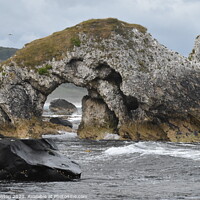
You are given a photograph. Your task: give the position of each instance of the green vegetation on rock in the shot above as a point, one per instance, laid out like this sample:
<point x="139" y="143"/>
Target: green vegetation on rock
<point x="3" y="73"/>
<point x="76" y="42"/>
<point x="44" y="70"/>
<point x="57" y="44"/>
<point x="191" y="55"/>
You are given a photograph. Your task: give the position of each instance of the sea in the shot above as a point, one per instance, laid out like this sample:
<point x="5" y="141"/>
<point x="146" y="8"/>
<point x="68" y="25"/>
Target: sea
<point x="115" y="169"/>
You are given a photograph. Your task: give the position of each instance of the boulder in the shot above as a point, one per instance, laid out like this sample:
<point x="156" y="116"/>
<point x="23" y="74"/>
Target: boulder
<point x="35" y="160"/>
<point x="62" y="106"/>
<point x="58" y="120"/>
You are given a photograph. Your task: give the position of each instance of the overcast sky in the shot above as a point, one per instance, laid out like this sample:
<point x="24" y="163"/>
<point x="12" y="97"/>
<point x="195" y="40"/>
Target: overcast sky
<point x="174" y="23"/>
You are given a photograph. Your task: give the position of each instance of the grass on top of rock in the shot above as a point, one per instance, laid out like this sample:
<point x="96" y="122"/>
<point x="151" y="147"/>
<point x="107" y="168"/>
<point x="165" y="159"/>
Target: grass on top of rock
<point x="191" y="55"/>
<point x="44" y="70"/>
<point x="56" y="45"/>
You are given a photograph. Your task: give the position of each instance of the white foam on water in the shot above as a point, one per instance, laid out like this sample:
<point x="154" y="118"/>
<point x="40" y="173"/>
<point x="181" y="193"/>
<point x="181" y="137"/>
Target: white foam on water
<point x="111" y="136"/>
<point x="51" y="115"/>
<point x="74" y="117"/>
<point x="62" y="135"/>
<point x="78" y="105"/>
<point x="154" y="148"/>
<point x="46" y="106"/>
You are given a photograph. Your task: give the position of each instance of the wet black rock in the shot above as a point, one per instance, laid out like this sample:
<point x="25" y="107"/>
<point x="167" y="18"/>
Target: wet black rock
<point x="60" y="121"/>
<point x="61" y="106"/>
<point x="35" y="160"/>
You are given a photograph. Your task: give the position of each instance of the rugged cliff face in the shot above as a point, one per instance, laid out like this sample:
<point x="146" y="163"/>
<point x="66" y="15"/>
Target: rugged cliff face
<point x="142" y="90"/>
<point x="195" y="54"/>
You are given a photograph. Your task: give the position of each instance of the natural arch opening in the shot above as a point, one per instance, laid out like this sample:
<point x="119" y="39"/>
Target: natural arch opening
<point x="64" y="104"/>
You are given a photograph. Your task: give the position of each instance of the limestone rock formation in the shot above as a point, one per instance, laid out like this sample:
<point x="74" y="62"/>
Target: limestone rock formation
<point x="35" y="160"/>
<point x="152" y="92"/>
<point x="62" y="107"/>
<point x="195" y="54"/>
<point x="97" y="119"/>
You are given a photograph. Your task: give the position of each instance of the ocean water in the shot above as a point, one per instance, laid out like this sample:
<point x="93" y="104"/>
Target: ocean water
<point x="115" y="169"/>
<point x="124" y="170"/>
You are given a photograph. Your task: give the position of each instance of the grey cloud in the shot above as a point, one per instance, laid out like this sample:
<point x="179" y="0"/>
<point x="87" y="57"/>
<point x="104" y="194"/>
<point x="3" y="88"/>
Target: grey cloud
<point x="173" y="22"/>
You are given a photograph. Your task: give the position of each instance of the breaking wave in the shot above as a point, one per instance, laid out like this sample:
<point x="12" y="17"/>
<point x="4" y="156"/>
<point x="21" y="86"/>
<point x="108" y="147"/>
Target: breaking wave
<point x="188" y="151"/>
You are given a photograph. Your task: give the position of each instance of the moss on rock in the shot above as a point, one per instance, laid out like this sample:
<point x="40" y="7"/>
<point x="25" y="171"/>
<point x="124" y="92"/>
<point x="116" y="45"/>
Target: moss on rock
<point x="44" y="70"/>
<point x="33" y="128"/>
<point x="93" y="132"/>
<point x="175" y="130"/>
<point x="144" y="130"/>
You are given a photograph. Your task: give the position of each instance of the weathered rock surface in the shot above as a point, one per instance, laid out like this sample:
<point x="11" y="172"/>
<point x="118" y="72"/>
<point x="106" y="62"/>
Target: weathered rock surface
<point x="58" y="120"/>
<point x="62" y="107"/>
<point x="152" y="92"/>
<point x="35" y="160"/>
<point x="195" y="54"/>
<point x="31" y="128"/>
<point x="97" y="119"/>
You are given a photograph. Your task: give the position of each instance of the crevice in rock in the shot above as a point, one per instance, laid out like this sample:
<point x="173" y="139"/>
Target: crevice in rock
<point x="59" y="77"/>
<point x="75" y="60"/>
<point x="33" y="85"/>
<point x="4" y="115"/>
<point x="94" y="94"/>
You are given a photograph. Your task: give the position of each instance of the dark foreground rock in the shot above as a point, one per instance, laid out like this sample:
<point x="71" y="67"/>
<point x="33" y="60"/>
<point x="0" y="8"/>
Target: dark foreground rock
<point x="61" y="106"/>
<point x="60" y="121"/>
<point x="35" y="160"/>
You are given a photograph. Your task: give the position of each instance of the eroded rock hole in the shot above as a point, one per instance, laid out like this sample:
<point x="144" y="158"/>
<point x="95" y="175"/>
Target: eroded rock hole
<point x="109" y="74"/>
<point x="64" y="105"/>
<point x="131" y="103"/>
<point x="75" y="60"/>
<point x="114" y="77"/>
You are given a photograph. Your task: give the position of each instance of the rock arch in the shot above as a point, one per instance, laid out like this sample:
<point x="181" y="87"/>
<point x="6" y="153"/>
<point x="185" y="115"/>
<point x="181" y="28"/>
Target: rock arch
<point x="145" y="91"/>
